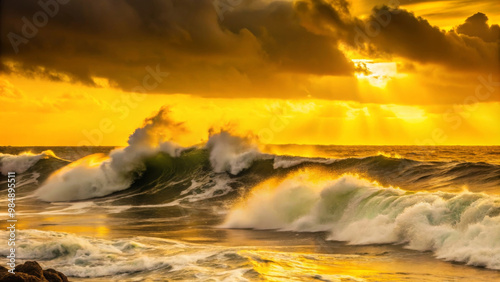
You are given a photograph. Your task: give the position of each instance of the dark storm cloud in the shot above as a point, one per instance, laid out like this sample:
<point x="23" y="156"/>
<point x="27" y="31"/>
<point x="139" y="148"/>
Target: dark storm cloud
<point x="401" y="33"/>
<point x="260" y="48"/>
<point x="280" y="30"/>
<point x="117" y="39"/>
<point x="477" y="26"/>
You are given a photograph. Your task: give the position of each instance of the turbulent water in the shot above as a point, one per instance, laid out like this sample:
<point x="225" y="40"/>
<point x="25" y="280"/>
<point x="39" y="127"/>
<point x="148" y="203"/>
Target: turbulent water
<point x="230" y="211"/>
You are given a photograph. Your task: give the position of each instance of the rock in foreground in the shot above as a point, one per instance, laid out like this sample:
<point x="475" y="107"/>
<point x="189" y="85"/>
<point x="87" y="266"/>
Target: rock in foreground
<point x="31" y="271"/>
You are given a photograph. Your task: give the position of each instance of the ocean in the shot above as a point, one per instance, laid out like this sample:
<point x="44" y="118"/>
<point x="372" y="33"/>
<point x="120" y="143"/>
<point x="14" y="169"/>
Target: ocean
<point x="230" y="211"/>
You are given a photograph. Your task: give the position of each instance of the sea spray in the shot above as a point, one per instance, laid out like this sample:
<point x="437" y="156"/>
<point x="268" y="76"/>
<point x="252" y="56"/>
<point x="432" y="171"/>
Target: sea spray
<point x="462" y="227"/>
<point x="230" y="153"/>
<point x="22" y="162"/>
<point x="97" y="176"/>
<point x="90" y="178"/>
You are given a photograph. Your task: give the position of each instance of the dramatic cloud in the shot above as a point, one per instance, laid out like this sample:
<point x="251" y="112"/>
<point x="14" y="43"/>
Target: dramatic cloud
<point x="401" y="33"/>
<point x="254" y="49"/>
<point x="287" y="43"/>
<point x="477" y="26"/>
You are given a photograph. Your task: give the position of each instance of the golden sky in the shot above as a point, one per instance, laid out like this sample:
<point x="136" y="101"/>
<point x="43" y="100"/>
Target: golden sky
<point x="303" y="72"/>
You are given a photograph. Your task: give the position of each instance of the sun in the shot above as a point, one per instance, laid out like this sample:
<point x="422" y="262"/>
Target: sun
<point x="378" y="74"/>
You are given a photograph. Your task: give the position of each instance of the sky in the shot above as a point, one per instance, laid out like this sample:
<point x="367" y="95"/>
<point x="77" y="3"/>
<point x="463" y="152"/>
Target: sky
<point x="369" y="72"/>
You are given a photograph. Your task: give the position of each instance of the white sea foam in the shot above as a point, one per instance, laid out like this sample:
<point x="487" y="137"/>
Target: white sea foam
<point x="22" y="162"/>
<point x="85" y="257"/>
<point x="219" y="187"/>
<point x="88" y="257"/>
<point x="96" y="176"/>
<point x="90" y="178"/>
<point x="230" y="153"/>
<point x="462" y="227"/>
<point x="145" y="258"/>
<point x="291" y="161"/>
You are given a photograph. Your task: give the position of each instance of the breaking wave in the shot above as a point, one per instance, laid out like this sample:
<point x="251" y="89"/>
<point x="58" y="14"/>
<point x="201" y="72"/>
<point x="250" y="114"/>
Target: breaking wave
<point x="124" y="168"/>
<point x="463" y="227"/>
<point x="101" y="175"/>
<point x="22" y="162"/>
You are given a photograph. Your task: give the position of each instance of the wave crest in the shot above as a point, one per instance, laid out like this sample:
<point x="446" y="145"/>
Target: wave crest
<point x="230" y="153"/>
<point x="22" y="162"/>
<point x="462" y="227"/>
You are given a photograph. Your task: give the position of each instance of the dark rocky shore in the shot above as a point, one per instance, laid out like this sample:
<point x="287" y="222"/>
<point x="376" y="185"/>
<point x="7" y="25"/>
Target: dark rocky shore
<point x="31" y="271"/>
